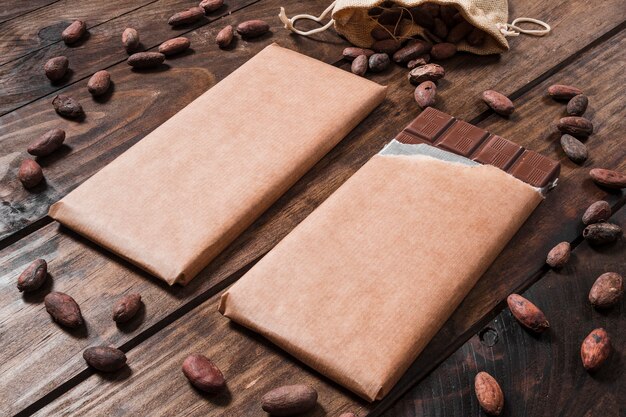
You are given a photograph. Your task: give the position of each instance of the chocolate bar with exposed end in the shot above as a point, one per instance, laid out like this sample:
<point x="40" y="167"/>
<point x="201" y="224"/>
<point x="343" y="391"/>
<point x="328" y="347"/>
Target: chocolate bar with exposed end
<point x="439" y="129"/>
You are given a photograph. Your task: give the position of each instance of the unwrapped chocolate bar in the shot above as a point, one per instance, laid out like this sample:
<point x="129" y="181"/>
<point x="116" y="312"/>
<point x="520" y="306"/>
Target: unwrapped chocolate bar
<point x="176" y="199"/>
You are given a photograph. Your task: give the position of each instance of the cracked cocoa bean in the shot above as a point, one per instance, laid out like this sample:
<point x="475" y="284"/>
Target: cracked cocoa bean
<point x="47" y="143"/>
<point x="33" y="277"/>
<point x="289" y="400"/>
<point x="203" y="374"/>
<point x="607" y="290"/>
<point x="56" y="68"/>
<point x="428" y="72"/>
<point x="30" y="173"/>
<point x="68" y="107"/>
<point x="575" y="150"/>
<point x="63" y="309"/>
<point x="418" y="62"/>
<point x="104" y="358"/>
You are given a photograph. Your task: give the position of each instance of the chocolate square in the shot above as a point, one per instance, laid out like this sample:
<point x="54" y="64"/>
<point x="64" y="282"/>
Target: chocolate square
<point x="462" y="138"/>
<point x="429" y="124"/>
<point x="535" y="169"/>
<point x="498" y="152"/>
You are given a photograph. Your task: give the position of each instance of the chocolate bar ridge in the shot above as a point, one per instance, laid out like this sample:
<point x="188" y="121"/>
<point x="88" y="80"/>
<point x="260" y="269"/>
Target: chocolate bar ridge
<point x="436" y="128"/>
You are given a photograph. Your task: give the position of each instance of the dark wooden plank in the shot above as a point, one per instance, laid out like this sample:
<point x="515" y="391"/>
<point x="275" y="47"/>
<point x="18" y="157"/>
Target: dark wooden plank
<point x="540" y="375"/>
<point x="11" y="9"/>
<point x="43" y="27"/>
<point x="25" y="81"/>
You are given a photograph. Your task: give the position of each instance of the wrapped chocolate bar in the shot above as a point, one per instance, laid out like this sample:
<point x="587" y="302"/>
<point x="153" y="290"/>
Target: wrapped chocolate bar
<point x="176" y="199"/>
<point x="359" y="288"/>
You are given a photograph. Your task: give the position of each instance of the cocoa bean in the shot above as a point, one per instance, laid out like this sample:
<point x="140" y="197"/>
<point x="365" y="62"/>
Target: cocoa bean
<point x="430" y="8"/>
<point x="203" y="373"/>
<point x="563" y="92"/>
<point x="378" y="62"/>
<point x="380" y="33"/>
<point x="559" y="255"/>
<point x="459" y="32"/>
<point x="388" y="46"/>
<point x="130" y="40"/>
<point x="30" y="173"/>
<point x="68" y="107"/>
<point x="498" y="102"/>
<point x="595" y="349"/>
<point x="126" y="308"/>
<point x="99" y="83"/>
<point x="359" y="65"/>
<point x="104" y="358"/>
<point x="56" y="68"/>
<point x="476" y="37"/>
<point x="142" y="60"/>
<point x="575" y="126"/>
<point x="174" y="46"/>
<point x="47" y="143"/>
<point x="443" y="51"/>
<point x="253" y="28"/>
<point x="422" y="18"/>
<point x="528" y="314"/>
<point x="575" y="150"/>
<point x="210" y="6"/>
<point x="607" y="290"/>
<point x="425" y="94"/>
<point x="599" y="211"/>
<point x="225" y="36"/>
<point x="447" y="13"/>
<point x="432" y="38"/>
<point x="352" y="52"/>
<point x="187" y="17"/>
<point x="440" y="29"/>
<point x="411" y="51"/>
<point x="428" y="72"/>
<point x="489" y="394"/>
<point x="33" y="277"/>
<point x="74" y="32"/>
<point x="608" y="178"/>
<point x="63" y="309"/>
<point x="419" y="61"/>
<point x="602" y="233"/>
<point x="289" y="400"/>
<point x="577" y="105"/>
<point x="390" y="17"/>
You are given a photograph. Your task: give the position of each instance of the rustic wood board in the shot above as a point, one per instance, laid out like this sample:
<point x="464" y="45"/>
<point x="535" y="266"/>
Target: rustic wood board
<point x="10" y="9"/>
<point x="541" y="375"/>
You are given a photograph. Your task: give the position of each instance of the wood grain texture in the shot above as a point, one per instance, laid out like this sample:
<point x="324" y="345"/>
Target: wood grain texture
<point x="10" y="9"/>
<point x="24" y="79"/>
<point x="541" y="375"/>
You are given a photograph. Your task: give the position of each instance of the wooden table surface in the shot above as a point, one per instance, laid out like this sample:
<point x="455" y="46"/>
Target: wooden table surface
<point x="41" y="366"/>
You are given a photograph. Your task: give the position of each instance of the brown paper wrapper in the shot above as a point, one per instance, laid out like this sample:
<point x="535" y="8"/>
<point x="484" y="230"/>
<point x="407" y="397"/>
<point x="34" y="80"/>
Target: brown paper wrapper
<point x="176" y="199"/>
<point x="359" y="288"/>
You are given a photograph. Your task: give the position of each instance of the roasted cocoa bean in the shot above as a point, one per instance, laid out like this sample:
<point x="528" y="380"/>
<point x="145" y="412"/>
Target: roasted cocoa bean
<point x="577" y="105"/>
<point x="575" y="150"/>
<point x="440" y="29"/>
<point x="68" y="107"/>
<point x="203" y="373"/>
<point x="476" y="37"/>
<point x="130" y="40"/>
<point x="608" y="178"/>
<point x="607" y="290"/>
<point x="599" y="211"/>
<point x="378" y="62"/>
<point x="209" y="6"/>
<point x="447" y="13"/>
<point x="422" y="18"/>
<point x="142" y="60"/>
<point x="33" y="277"/>
<point x="488" y="393"/>
<point x="187" y="17"/>
<point x="225" y="36"/>
<point x="528" y="314"/>
<point x="74" y="32"/>
<point x="126" y="308"/>
<point x="30" y="173"/>
<point x="63" y="309"/>
<point x="289" y="400"/>
<point x="602" y="233"/>
<point x="595" y="349"/>
<point x="104" y="358"/>
<point x="559" y="255"/>
<point x="352" y="52"/>
<point x="575" y="126"/>
<point x="425" y="94"/>
<point x="388" y="46"/>
<point x="563" y="92"/>
<point x="56" y="68"/>
<point x="380" y="33"/>
<point x="253" y="28"/>
<point x="498" y="102"/>
<point x="443" y="51"/>
<point x="418" y="62"/>
<point x="47" y="143"/>
<point x="99" y="83"/>
<point x="411" y="51"/>
<point x="428" y="72"/>
<point x="174" y="46"/>
<point x="459" y="32"/>
<point x="359" y="65"/>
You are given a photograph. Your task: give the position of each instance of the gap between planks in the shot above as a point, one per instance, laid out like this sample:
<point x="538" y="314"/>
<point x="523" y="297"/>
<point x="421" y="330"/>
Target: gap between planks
<point x="28" y="12"/>
<point x="393" y="396"/>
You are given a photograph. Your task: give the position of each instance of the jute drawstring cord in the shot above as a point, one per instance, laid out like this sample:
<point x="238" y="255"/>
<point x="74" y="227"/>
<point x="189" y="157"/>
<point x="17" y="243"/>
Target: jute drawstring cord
<point x="512" y="29"/>
<point x="289" y="22"/>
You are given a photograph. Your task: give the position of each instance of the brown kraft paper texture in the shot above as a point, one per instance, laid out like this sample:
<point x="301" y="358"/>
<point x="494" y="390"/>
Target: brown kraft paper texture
<point x="358" y="289"/>
<point x="176" y="199"/>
